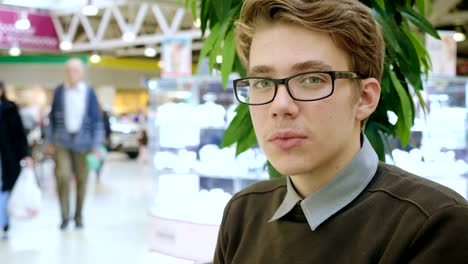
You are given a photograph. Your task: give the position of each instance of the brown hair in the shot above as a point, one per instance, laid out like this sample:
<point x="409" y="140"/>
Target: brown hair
<point x="349" y="22"/>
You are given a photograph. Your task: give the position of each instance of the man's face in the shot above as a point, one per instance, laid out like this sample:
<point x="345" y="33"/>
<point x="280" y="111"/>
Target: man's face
<point x="302" y="138"/>
<point x="75" y="72"/>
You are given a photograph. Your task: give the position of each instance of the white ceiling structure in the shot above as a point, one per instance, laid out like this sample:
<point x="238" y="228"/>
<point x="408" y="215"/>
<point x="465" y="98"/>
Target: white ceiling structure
<point x="146" y="22"/>
<point x="152" y="20"/>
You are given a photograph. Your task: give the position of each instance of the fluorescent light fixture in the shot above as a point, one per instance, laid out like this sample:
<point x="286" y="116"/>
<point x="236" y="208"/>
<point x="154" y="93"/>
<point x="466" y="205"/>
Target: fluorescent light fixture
<point x="129" y="36"/>
<point x="459" y="37"/>
<point x="66" y="45"/>
<point x="14" y="51"/>
<point x="197" y="23"/>
<point x="95" y="58"/>
<point x="219" y="59"/>
<point x="150" y="51"/>
<point x="23" y="22"/>
<point x="90" y="10"/>
<point x="152" y="84"/>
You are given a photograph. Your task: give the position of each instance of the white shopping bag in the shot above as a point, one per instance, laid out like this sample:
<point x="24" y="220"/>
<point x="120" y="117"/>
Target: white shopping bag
<point x="25" y="199"/>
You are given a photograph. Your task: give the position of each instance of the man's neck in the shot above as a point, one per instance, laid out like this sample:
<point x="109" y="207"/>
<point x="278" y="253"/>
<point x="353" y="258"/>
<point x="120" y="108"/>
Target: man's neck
<point x="73" y="85"/>
<point x="306" y="184"/>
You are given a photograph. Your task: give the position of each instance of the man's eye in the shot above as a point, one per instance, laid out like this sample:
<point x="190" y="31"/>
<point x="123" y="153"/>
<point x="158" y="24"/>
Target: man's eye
<point x="262" y="84"/>
<point x="312" y="79"/>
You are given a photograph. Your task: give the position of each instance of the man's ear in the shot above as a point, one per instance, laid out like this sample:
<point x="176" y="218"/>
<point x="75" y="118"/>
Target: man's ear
<point x="369" y="98"/>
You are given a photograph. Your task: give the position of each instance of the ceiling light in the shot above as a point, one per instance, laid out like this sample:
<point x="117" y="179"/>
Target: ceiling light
<point x="14" y="51"/>
<point x="95" y="58"/>
<point x="90" y="10"/>
<point x="150" y="51"/>
<point x="129" y="36"/>
<point x="23" y="22"/>
<point x="459" y="37"/>
<point x="152" y="84"/>
<point x="197" y="23"/>
<point x="66" y="45"/>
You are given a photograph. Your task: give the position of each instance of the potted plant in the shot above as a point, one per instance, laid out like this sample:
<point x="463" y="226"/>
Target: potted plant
<point x="406" y="62"/>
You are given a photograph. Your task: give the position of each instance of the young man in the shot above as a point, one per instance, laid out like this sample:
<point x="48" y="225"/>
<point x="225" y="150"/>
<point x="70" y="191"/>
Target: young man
<point x="314" y="69"/>
<point x="75" y="129"/>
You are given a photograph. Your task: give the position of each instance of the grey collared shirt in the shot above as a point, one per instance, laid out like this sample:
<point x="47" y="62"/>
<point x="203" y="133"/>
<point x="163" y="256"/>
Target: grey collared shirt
<point x="337" y="193"/>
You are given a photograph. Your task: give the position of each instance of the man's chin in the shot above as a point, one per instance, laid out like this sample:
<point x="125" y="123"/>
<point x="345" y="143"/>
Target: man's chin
<point x="288" y="169"/>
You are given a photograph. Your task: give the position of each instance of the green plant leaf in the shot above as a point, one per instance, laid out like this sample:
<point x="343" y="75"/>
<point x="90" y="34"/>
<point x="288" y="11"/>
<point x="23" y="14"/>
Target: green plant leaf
<point x="216" y="48"/>
<point x="194" y="9"/>
<point x="421" y="50"/>
<point x="229" y="52"/>
<point x="386" y="26"/>
<point x="381" y="3"/>
<point x="222" y="7"/>
<point x="239" y="123"/>
<point x="193" y="5"/>
<point x="240" y="131"/>
<point x="375" y="138"/>
<point x="408" y="60"/>
<point x="421" y="100"/>
<point x="272" y="171"/>
<point x="205" y="15"/>
<point x="421" y="4"/>
<point x="419" y="21"/>
<point x="247" y="142"/>
<point x="209" y="41"/>
<point x="404" y="112"/>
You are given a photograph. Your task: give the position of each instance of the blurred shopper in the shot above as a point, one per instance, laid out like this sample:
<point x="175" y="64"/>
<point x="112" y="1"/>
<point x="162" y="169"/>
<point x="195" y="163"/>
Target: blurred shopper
<point x="107" y="130"/>
<point x="107" y="141"/>
<point x="28" y="117"/>
<point x="143" y="146"/>
<point x="13" y="149"/>
<point x="75" y="129"/>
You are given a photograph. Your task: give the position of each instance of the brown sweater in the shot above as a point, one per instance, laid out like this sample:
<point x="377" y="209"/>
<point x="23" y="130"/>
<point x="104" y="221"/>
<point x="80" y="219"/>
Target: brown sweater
<point x="398" y="218"/>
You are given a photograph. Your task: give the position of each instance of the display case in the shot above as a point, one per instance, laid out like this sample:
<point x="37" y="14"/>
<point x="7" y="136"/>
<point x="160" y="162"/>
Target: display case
<point x="446" y="100"/>
<point x="439" y="137"/>
<point x="194" y="178"/>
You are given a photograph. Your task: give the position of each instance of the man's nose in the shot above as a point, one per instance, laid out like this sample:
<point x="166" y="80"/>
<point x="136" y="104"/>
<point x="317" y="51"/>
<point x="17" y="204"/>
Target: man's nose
<point x="283" y="104"/>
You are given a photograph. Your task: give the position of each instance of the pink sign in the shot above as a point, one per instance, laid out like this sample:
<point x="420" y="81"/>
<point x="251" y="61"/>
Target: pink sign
<point x="40" y="36"/>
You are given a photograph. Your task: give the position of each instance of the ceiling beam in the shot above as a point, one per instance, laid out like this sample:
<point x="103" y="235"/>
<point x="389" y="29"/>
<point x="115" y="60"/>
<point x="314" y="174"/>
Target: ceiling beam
<point x="96" y="39"/>
<point x="139" y="40"/>
<point x="456" y="18"/>
<point x="441" y="8"/>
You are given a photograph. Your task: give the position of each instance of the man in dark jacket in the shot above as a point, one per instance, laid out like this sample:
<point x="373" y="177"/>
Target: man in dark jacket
<point x="75" y="129"/>
<point x="314" y="69"/>
<point x="13" y="149"/>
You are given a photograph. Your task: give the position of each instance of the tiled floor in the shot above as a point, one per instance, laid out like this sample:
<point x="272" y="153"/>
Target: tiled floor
<point x="116" y="223"/>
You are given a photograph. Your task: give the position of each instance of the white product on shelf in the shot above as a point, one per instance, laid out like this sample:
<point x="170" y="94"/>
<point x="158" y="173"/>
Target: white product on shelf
<point x="437" y="166"/>
<point x="210" y="114"/>
<point x="178" y="197"/>
<point x="178" y="125"/>
<point x="218" y="162"/>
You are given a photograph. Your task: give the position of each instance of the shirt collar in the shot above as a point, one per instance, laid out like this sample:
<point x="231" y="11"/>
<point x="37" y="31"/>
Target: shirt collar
<point x="81" y="87"/>
<point x="337" y="193"/>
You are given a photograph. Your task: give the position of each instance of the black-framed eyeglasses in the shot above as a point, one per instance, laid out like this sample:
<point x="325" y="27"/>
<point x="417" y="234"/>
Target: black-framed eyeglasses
<point x="306" y="86"/>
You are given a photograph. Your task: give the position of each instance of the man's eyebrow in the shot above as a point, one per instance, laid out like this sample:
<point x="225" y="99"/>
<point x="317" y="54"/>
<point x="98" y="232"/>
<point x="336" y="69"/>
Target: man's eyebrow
<point x="311" y="65"/>
<point x="260" y="69"/>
